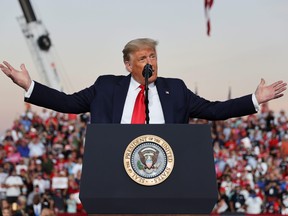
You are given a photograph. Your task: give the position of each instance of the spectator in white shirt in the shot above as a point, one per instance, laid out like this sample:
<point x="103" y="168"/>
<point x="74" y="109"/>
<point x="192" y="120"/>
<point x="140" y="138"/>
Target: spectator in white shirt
<point x="40" y="182"/>
<point x="21" y="166"/>
<point x="13" y="184"/>
<point x="3" y="177"/>
<point x="253" y="203"/>
<point x="37" y="148"/>
<point x="77" y="167"/>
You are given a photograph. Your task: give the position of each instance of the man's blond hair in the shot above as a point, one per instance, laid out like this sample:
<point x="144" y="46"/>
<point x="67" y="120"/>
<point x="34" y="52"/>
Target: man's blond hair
<point x="137" y="44"/>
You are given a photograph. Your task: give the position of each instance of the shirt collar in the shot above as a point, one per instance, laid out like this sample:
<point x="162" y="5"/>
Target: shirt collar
<point x="134" y="84"/>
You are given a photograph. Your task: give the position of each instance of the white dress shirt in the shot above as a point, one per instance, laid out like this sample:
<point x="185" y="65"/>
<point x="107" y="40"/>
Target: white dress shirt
<point x="155" y="109"/>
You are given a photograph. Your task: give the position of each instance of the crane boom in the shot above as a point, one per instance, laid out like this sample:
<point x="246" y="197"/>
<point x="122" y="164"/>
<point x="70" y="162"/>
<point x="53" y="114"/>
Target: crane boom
<point x="40" y="46"/>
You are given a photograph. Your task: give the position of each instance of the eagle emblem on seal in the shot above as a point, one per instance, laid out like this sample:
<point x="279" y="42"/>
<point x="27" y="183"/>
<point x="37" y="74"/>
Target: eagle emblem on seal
<point x="148" y="159"/>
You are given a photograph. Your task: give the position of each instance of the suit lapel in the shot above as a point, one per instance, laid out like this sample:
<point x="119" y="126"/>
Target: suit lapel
<point x="165" y="99"/>
<point x="120" y="93"/>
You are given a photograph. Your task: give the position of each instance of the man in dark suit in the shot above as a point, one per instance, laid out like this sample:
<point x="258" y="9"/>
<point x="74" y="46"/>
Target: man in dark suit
<point x="111" y="98"/>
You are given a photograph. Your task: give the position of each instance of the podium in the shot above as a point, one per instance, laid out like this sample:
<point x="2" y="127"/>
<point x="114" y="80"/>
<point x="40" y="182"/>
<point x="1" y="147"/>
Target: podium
<point x="106" y="187"/>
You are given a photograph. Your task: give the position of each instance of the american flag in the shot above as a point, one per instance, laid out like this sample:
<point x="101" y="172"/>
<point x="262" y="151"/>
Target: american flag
<point x="208" y="5"/>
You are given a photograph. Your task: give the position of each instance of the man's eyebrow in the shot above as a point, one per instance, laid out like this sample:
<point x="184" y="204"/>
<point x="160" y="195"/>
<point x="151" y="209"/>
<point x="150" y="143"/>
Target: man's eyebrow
<point x="142" y="56"/>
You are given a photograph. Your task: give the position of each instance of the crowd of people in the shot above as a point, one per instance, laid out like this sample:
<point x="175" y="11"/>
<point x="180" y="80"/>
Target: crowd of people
<point x="41" y="162"/>
<point x="251" y="162"/>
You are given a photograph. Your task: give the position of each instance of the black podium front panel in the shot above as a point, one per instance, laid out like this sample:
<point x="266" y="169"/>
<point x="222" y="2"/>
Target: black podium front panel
<point x="106" y="188"/>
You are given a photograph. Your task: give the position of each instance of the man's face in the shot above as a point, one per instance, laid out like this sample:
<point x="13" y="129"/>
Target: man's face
<point x="137" y="62"/>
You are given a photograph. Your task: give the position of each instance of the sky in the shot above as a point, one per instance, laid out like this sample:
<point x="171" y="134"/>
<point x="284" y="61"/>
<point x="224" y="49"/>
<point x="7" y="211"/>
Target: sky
<point x="249" y="41"/>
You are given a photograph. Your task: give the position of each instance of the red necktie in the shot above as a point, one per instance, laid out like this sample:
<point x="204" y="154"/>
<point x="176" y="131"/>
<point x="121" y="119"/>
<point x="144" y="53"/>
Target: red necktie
<point x="138" y="116"/>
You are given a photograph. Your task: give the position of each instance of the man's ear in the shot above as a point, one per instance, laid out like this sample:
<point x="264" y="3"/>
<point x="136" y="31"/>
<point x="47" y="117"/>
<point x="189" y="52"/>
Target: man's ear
<point x="128" y="66"/>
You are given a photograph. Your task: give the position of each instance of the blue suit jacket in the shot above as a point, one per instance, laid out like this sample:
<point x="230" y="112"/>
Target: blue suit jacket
<point x="106" y="97"/>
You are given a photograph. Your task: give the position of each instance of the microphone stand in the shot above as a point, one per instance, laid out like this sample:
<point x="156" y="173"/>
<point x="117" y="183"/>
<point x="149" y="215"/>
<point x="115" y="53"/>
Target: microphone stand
<point x="146" y="97"/>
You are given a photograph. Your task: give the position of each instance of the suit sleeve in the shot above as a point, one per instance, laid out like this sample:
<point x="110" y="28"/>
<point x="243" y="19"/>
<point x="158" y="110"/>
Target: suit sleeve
<point x="220" y="110"/>
<point x="198" y="107"/>
<point x="78" y="102"/>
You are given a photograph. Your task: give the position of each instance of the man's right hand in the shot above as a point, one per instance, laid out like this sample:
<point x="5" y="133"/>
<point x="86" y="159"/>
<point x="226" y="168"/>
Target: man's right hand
<point x="19" y="77"/>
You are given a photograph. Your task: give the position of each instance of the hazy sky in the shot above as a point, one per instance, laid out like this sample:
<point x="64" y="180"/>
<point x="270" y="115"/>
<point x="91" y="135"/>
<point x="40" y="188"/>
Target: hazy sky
<point x="249" y="40"/>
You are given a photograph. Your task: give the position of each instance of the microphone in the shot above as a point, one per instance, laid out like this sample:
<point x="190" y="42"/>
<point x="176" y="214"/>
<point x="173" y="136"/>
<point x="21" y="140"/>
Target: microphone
<point x="147" y="71"/>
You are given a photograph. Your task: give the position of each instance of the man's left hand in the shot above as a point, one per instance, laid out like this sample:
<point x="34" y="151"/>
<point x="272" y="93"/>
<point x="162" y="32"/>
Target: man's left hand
<point x="266" y="93"/>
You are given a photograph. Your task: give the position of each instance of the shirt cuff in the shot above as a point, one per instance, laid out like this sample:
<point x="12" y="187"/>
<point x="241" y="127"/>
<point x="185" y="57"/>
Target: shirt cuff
<point x="255" y="102"/>
<point x="28" y="93"/>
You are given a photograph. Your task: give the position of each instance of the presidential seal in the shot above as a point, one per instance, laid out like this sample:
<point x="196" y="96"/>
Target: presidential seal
<point x="148" y="160"/>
